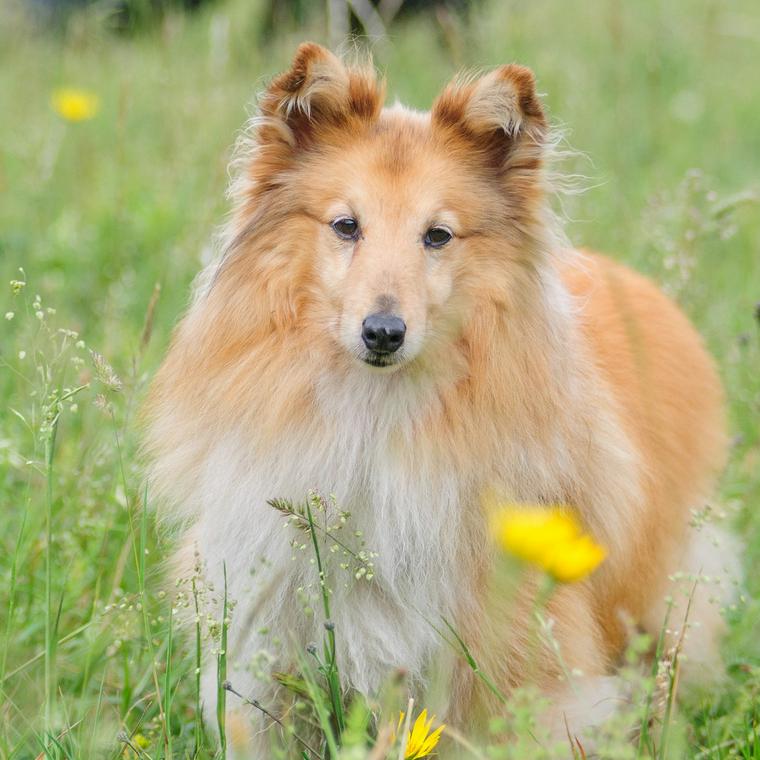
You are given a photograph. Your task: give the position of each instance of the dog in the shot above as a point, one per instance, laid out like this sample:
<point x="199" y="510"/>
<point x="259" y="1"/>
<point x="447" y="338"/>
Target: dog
<point x="397" y="320"/>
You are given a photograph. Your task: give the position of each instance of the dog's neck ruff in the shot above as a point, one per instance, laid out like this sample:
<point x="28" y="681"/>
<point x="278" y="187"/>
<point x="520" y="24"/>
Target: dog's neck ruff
<point x="408" y="514"/>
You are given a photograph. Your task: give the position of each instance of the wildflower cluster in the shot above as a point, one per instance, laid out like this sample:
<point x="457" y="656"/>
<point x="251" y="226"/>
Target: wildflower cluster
<point x="52" y="352"/>
<point x="679" y="223"/>
<point x="197" y="596"/>
<point x="331" y="525"/>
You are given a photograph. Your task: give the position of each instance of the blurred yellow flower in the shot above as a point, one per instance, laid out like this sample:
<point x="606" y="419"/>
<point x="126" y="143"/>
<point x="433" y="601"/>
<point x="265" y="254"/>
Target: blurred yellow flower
<point x="551" y="538"/>
<point x="420" y="741"/>
<point x="133" y="746"/>
<point x="75" y="105"/>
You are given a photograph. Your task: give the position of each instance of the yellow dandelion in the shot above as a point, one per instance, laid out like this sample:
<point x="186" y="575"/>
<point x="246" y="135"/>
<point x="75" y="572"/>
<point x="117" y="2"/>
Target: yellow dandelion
<point x="75" y="105"/>
<point x="421" y="741"/>
<point x="551" y="538"/>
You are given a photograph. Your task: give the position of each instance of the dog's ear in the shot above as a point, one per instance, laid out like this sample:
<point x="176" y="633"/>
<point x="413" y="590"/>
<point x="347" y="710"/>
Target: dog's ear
<point x="499" y="113"/>
<point x="318" y="92"/>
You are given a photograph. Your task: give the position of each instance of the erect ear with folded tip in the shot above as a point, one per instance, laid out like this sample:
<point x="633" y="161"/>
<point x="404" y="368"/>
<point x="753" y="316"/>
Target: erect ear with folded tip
<point x="500" y="113"/>
<point x="318" y="92"/>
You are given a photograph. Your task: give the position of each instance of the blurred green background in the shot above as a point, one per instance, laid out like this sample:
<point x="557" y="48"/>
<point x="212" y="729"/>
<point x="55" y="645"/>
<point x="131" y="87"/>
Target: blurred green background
<point x="661" y="102"/>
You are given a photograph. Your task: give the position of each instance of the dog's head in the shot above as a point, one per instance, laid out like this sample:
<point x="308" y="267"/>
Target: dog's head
<point x="375" y="232"/>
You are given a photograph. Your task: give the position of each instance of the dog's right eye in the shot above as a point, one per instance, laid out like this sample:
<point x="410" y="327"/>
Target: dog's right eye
<point x="346" y="228"/>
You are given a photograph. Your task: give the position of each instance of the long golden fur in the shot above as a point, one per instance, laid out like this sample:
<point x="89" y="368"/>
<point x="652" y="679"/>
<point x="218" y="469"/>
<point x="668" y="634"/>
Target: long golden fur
<point x="528" y="369"/>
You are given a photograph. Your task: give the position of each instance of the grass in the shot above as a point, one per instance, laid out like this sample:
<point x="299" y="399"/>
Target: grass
<point x="660" y="96"/>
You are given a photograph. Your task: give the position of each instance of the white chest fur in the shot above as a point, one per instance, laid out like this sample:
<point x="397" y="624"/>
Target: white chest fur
<point x="407" y="510"/>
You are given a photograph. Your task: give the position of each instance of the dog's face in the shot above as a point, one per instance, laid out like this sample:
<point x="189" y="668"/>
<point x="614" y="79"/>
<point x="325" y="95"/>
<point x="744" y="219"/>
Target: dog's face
<point x="390" y="223"/>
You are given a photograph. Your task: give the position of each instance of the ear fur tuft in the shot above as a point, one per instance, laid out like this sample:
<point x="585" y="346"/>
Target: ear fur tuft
<point x="319" y="90"/>
<point x="505" y="99"/>
<point x="315" y="78"/>
<point x="499" y="110"/>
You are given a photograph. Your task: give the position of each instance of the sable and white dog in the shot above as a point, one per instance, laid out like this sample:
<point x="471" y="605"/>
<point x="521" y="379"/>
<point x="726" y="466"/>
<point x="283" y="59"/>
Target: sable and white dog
<point x="395" y="320"/>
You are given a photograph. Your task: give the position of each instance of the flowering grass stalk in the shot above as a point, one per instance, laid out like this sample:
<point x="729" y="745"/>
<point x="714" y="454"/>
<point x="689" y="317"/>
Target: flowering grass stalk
<point x="646" y="741"/>
<point x="221" y="675"/>
<point x="674" y="673"/>
<point x="198" y="725"/>
<point x="50" y="633"/>
<point x="331" y="666"/>
<point x="168" y="686"/>
<point x="322" y="704"/>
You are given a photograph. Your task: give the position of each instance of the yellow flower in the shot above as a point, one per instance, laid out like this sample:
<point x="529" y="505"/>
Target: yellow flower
<point x="551" y="538"/>
<point x="75" y="105"/>
<point x="420" y="740"/>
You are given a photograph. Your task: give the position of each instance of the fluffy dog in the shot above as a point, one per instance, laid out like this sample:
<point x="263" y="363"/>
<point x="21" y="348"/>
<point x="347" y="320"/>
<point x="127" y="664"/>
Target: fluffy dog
<point x="396" y="320"/>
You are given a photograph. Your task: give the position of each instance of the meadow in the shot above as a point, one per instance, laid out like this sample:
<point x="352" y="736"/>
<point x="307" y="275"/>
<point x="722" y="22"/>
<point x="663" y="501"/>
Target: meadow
<point x="104" y="223"/>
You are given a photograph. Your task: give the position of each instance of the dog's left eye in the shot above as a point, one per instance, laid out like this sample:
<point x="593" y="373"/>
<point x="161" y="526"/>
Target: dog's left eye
<point x="437" y="237"/>
<point x="346" y="228"/>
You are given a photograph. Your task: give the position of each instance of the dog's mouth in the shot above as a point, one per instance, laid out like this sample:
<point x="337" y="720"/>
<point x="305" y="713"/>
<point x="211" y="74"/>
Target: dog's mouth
<point x="377" y="359"/>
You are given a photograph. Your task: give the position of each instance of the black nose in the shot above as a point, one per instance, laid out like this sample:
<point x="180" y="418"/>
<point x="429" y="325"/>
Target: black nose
<point x="383" y="333"/>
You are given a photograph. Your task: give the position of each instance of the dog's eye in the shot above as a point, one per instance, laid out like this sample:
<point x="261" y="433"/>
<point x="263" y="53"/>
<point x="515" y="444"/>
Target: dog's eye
<point x="346" y="228"/>
<point x="437" y="237"/>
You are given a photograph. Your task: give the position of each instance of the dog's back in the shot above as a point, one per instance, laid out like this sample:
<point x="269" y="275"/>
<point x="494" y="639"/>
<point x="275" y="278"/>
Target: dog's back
<point x="670" y="403"/>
